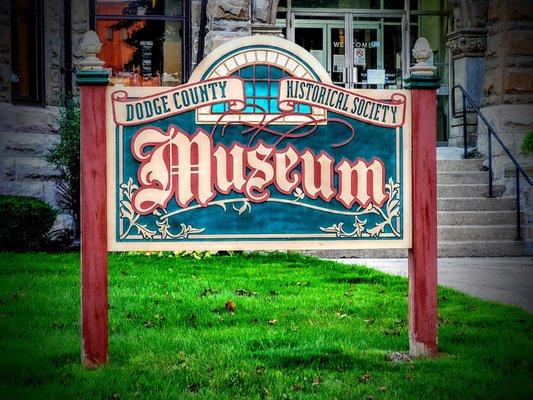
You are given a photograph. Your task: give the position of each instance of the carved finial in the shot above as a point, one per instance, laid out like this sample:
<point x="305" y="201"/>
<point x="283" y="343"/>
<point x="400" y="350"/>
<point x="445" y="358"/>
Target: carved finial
<point x="91" y="45"/>
<point x="422" y="52"/>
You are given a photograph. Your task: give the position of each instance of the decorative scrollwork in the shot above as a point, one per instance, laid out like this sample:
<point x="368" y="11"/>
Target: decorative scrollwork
<point x="361" y="228"/>
<point x="163" y="226"/>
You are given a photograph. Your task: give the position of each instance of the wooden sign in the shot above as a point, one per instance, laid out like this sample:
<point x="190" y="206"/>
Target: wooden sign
<point x="259" y="150"/>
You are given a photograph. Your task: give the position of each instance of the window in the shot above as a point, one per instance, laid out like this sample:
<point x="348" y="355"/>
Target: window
<point x="144" y="42"/>
<point x="261" y="89"/>
<point x="26" y="52"/>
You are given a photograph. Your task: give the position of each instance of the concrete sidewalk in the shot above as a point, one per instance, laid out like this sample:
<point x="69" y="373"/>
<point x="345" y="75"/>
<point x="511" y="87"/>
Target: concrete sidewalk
<point x="505" y="279"/>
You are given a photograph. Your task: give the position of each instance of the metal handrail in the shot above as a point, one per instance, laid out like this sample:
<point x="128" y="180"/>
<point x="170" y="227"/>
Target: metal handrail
<point x="518" y="168"/>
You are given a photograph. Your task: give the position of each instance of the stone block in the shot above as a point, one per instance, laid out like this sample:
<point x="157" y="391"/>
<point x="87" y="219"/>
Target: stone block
<point x="261" y="11"/>
<point x="228" y="9"/>
<point x="8" y="169"/>
<point x="495" y="47"/>
<point x="493" y="82"/>
<point x="231" y="26"/>
<point x="29" y="168"/>
<point x="519" y="10"/>
<point x="80" y="16"/>
<point x="50" y="194"/>
<point x="214" y="39"/>
<point x="196" y="12"/>
<point x="64" y="222"/>
<point x="20" y="144"/>
<point x="17" y="118"/>
<point x="518" y="81"/>
<point x="519" y="43"/>
<point x="32" y="189"/>
<point x="494" y="12"/>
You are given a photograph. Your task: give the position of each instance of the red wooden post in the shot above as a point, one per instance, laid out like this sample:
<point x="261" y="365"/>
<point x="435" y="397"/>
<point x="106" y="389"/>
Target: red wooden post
<point x="423" y="254"/>
<point x="93" y="80"/>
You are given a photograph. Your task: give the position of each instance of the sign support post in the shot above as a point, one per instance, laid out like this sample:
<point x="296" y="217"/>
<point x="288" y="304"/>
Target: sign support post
<point x="423" y="255"/>
<point x="93" y="80"/>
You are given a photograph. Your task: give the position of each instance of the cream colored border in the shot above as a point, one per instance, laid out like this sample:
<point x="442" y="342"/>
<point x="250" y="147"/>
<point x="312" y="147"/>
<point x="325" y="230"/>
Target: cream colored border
<point x="113" y="245"/>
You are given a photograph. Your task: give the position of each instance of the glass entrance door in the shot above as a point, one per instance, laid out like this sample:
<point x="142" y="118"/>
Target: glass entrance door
<point x="326" y="40"/>
<point x="366" y="59"/>
<point x="370" y="57"/>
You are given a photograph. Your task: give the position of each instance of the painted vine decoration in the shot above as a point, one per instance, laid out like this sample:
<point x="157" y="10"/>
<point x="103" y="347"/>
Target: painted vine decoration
<point x="242" y="205"/>
<point x="361" y="228"/>
<point x="127" y="212"/>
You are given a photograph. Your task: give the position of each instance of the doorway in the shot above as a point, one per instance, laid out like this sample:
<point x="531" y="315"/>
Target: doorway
<point x="357" y="51"/>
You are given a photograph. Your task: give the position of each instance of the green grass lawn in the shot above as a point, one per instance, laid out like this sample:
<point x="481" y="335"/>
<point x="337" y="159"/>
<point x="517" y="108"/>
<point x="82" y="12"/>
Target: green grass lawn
<point x="302" y="329"/>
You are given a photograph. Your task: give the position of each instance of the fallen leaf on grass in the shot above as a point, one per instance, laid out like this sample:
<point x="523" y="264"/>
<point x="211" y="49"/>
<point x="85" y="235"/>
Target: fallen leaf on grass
<point x="341" y="314"/>
<point x="365" y="378"/>
<point x="245" y="292"/>
<point x="230" y="306"/>
<point x="316" y="381"/>
<point x="383" y="389"/>
<point x="208" y="292"/>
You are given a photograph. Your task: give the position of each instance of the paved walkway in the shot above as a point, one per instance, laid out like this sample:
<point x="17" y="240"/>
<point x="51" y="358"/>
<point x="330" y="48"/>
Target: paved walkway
<point x="505" y="279"/>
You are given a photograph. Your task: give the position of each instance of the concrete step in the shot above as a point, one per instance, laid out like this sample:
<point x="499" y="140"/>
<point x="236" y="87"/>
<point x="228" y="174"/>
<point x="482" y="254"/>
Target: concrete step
<point x="468" y="165"/>
<point x="469" y="190"/>
<point x="476" y="204"/>
<point x="486" y="248"/>
<point x="471" y="177"/>
<point x="489" y="248"/>
<point x="476" y="232"/>
<point x="477" y="218"/>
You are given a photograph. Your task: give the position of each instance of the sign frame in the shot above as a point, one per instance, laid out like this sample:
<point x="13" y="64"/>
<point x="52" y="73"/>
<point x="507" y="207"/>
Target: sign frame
<point x="118" y="97"/>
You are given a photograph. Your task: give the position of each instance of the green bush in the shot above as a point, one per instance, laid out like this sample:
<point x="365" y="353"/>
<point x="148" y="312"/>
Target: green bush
<point x="25" y="224"/>
<point x="527" y="144"/>
<point x="65" y="156"/>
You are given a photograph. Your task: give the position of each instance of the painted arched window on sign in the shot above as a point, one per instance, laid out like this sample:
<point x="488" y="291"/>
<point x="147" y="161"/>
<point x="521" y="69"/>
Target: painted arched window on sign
<point x="260" y="70"/>
<point x="261" y="88"/>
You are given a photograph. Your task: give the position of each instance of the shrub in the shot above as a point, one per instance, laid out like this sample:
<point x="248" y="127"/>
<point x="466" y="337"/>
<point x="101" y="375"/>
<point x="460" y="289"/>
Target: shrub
<point x="26" y="222"/>
<point x="65" y="156"/>
<point x="527" y="144"/>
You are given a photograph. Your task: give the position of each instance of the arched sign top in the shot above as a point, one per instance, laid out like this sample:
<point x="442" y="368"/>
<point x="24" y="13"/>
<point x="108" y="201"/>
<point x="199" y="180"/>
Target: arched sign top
<point x="267" y="50"/>
<point x="240" y="57"/>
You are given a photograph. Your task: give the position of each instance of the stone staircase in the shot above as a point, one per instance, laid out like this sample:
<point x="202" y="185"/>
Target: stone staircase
<point x="469" y="223"/>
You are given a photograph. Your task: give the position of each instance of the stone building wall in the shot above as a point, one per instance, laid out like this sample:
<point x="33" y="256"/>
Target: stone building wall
<point x="28" y="132"/>
<point x="507" y="100"/>
<point x="467" y="43"/>
<point x="80" y="25"/>
<point x="226" y="20"/>
<point x="52" y="51"/>
<point x="229" y="19"/>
